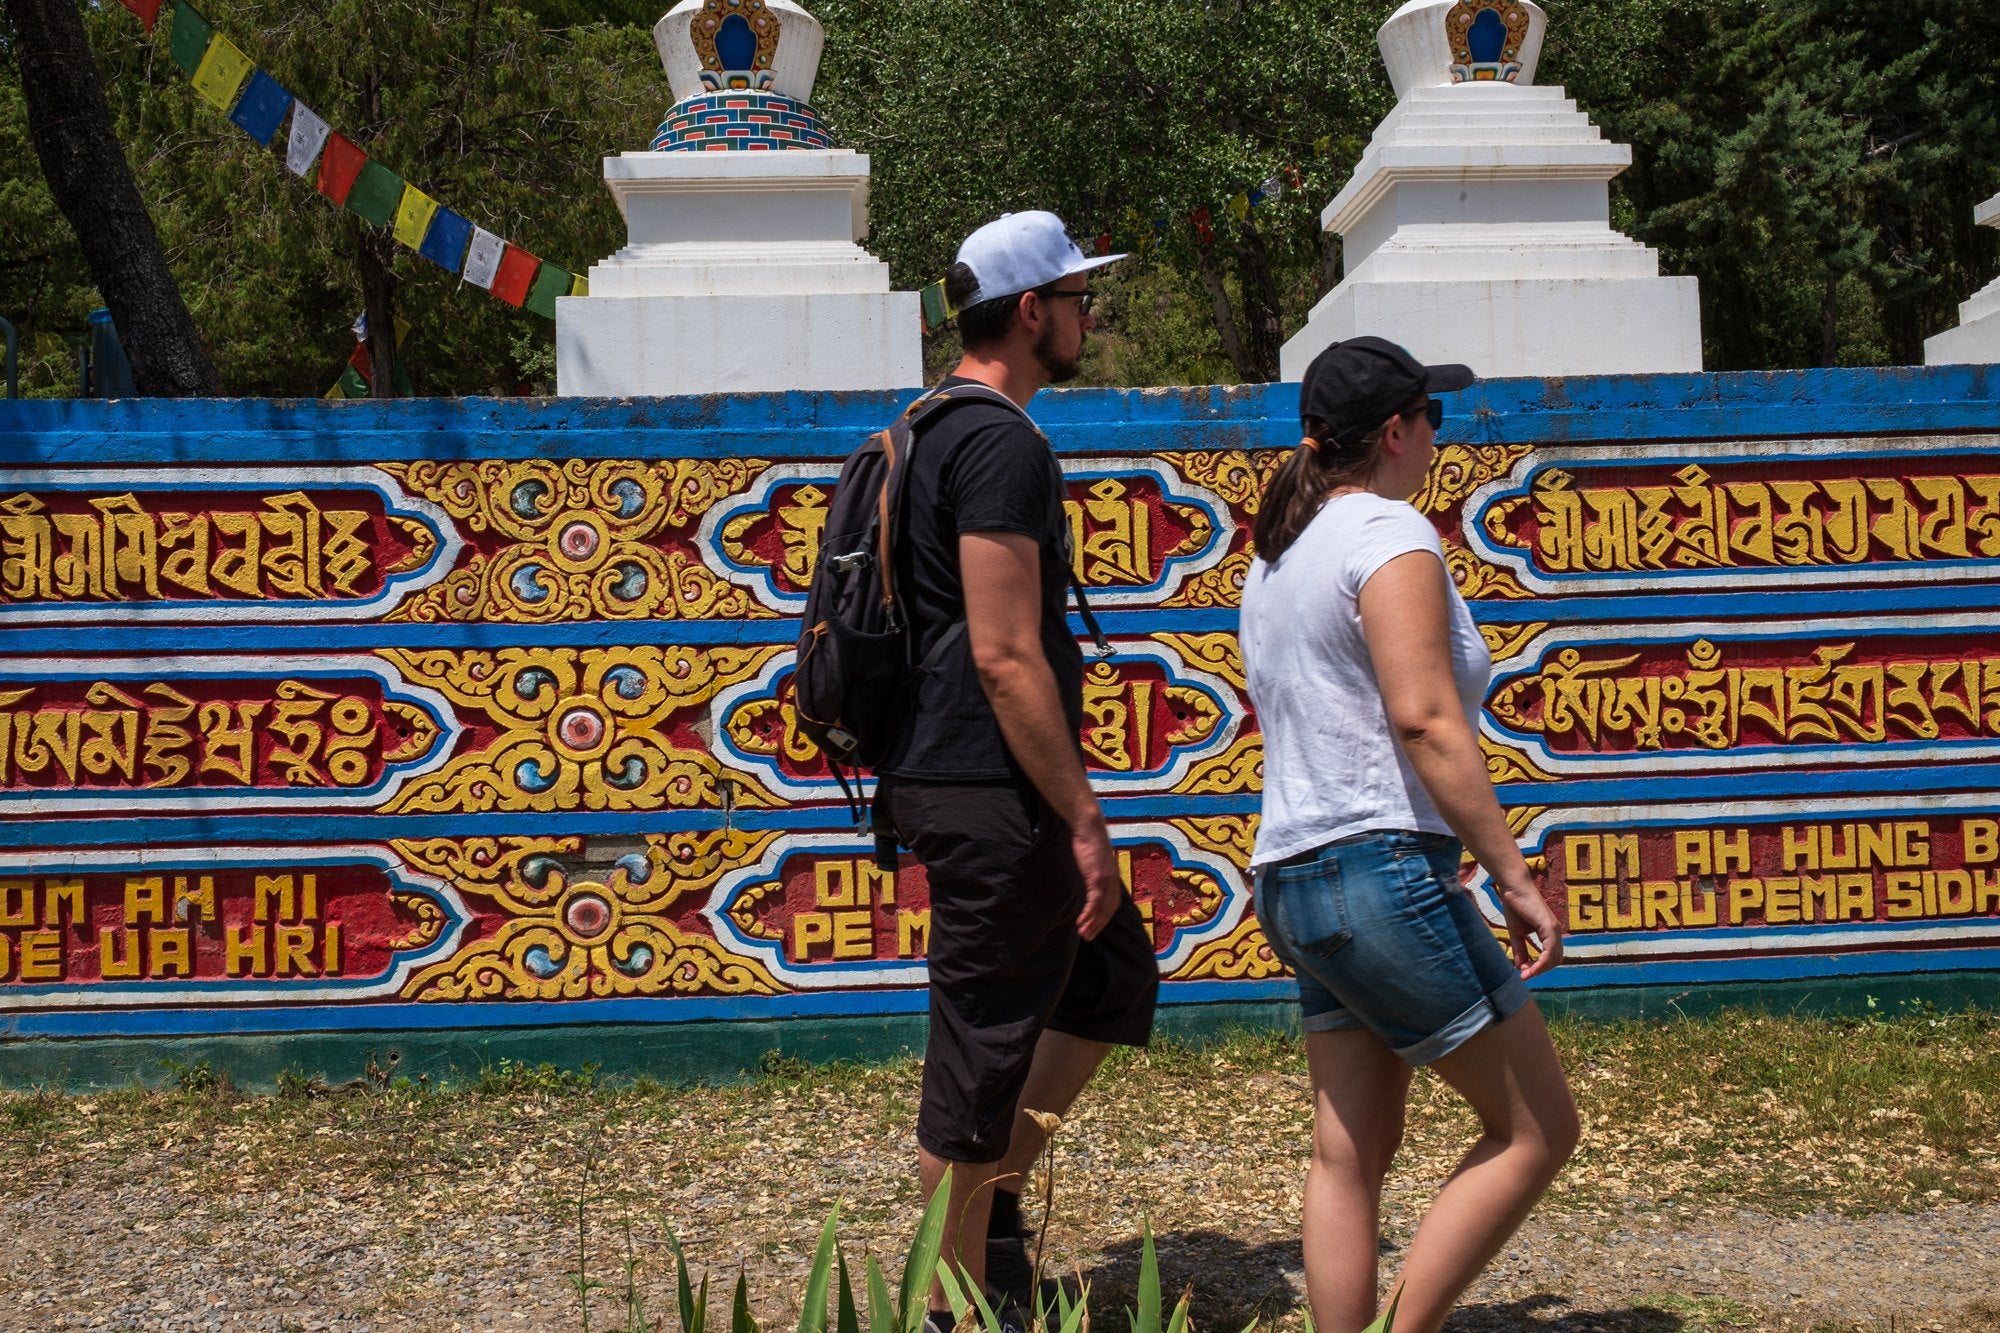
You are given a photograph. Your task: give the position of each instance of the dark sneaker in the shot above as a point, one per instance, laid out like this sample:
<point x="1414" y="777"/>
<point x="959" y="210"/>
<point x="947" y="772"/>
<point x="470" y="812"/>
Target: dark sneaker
<point x="1010" y="1270"/>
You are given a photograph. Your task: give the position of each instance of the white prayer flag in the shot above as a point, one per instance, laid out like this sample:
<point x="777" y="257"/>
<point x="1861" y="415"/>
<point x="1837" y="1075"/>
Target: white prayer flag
<point x="308" y="137"/>
<point x="482" y="261"/>
<point x="1274" y="188"/>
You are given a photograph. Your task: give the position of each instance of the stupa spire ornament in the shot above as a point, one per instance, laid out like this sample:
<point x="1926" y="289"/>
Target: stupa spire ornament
<point x="743" y="270"/>
<point x="1476" y="226"/>
<point x="742" y="72"/>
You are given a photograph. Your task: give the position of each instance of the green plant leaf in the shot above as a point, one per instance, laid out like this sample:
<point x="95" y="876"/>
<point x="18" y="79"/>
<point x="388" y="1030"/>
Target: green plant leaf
<point x="691" y="1320"/>
<point x="1147" y="1320"/>
<point x="954" y="1294"/>
<point x="922" y="1263"/>
<point x="881" y="1314"/>
<point x="812" y="1318"/>
<point x="846" y="1320"/>
<point x="1074" y="1314"/>
<point x="1177" y="1323"/>
<point x="740" y="1318"/>
<point x="988" y="1319"/>
<point x="1388" y="1319"/>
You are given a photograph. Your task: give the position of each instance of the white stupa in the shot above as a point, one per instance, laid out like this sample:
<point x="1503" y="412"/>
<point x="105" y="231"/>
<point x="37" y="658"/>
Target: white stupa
<point x="1477" y="225"/>
<point x="742" y="271"/>
<point x="1977" y="337"/>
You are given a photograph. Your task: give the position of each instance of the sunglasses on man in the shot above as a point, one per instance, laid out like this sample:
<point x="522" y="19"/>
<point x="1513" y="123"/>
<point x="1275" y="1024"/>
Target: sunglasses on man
<point x="1083" y="297"/>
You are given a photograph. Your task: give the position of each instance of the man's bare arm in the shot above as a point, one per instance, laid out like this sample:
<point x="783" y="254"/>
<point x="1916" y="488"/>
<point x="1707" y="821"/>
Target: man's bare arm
<point x="1001" y="574"/>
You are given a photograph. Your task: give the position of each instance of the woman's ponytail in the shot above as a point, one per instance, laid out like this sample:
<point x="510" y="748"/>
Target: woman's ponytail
<point x="1303" y="481"/>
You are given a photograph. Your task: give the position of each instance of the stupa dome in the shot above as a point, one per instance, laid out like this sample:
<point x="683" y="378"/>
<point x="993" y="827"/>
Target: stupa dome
<point x="770" y="46"/>
<point x="1433" y="43"/>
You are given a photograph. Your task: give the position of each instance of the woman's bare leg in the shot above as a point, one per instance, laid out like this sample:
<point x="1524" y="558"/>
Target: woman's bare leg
<point x="1359" y="1086"/>
<point x="1511" y="1075"/>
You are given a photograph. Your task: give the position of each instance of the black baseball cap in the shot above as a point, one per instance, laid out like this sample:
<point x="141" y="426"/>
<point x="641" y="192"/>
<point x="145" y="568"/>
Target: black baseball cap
<point x="1356" y="385"/>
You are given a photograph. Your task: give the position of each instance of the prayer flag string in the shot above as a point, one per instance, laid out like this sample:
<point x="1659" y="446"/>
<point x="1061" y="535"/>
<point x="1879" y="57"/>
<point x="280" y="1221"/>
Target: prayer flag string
<point x="258" y="104"/>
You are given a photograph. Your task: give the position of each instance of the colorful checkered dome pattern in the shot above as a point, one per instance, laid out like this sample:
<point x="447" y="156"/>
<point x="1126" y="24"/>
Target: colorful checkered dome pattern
<point x="742" y="121"/>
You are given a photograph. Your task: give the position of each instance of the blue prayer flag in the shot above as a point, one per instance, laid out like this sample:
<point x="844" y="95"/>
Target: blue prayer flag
<point x="261" y="108"/>
<point x="444" y="244"/>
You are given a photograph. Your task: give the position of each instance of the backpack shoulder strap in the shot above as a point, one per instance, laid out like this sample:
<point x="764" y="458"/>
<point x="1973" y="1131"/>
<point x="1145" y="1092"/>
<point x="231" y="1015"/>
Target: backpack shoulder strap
<point x="898" y="442"/>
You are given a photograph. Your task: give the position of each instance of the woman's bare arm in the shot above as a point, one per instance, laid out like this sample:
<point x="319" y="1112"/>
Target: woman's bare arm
<point x="1406" y="619"/>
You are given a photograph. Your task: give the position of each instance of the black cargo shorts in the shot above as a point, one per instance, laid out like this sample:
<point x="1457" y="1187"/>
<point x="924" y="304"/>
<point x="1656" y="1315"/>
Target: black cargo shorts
<point x="1006" y="963"/>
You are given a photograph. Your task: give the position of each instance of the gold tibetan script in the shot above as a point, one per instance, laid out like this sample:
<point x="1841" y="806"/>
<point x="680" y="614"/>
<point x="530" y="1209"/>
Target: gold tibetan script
<point x="1701" y="523"/>
<point x="123" y="550"/>
<point x="1582" y="704"/>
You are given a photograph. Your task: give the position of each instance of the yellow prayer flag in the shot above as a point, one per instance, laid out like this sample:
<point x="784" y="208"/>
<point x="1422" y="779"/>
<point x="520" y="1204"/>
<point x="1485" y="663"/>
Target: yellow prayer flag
<point x="1239" y="206"/>
<point x="580" y="286"/>
<point x="220" y="75"/>
<point x="413" y="216"/>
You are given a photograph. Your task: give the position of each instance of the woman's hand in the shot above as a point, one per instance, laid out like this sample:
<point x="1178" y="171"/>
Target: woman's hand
<point x="1529" y="914"/>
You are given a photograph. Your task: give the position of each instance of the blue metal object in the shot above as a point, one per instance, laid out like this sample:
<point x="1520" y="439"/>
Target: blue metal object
<point x="13" y="358"/>
<point x="110" y="373"/>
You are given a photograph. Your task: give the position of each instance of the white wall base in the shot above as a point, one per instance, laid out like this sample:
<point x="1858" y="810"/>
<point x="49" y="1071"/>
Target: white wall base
<point x="1976" y="340"/>
<point x="634" y="346"/>
<point x="1519" y="327"/>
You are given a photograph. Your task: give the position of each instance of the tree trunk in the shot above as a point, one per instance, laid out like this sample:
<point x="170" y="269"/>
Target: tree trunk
<point x="1265" y="332"/>
<point x="71" y="124"/>
<point x="375" y="256"/>
<point x="373" y="253"/>
<point x="1225" y="316"/>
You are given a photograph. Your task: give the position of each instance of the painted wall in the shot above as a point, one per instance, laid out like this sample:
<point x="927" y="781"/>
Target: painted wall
<point x="470" y="716"/>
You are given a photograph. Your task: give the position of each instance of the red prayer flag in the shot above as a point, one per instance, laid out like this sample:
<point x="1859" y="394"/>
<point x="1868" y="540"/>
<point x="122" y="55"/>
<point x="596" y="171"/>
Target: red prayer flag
<point x="339" y="164"/>
<point x="1104" y="243"/>
<point x="147" y="10"/>
<point x="517" y="271"/>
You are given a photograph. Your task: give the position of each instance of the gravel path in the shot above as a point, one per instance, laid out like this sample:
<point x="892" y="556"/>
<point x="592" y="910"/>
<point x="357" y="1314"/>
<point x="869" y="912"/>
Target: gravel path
<point x="80" y="1257"/>
<point x="1805" y="1203"/>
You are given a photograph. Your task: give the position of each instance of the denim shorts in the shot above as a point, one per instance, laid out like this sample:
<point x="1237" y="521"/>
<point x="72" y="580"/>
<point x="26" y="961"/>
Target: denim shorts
<point x="1381" y="936"/>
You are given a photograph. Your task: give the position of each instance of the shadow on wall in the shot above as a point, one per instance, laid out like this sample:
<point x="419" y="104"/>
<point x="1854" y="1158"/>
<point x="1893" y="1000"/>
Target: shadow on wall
<point x="1236" y="1282"/>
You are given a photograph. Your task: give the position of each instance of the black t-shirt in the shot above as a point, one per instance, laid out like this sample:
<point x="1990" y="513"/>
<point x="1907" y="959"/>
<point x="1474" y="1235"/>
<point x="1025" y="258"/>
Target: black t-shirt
<point x="976" y="467"/>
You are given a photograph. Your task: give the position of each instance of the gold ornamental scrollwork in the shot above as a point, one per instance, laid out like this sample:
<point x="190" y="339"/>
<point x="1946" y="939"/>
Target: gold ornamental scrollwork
<point x="1475" y="579"/>
<point x="1243" y="955"/>
<point x="1503" y="641"/>
<point x="1233" y="836"/>
<point x="1506" y="764"/>
<point x="1240" y="768"/>
<point x="585" y="539"/>
<point x="578" y="728"/>
<point x="1237" y="475"/>
<point x="1460" y="469"/>
<point x="1221" y="585"/>
<point x="1219" y="654"/>
<point x="571" y="933"/>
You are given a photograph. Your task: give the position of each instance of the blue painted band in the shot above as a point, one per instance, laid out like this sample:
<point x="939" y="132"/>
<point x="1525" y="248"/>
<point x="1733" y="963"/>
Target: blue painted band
<point x="1722" y="407"/>
<point x="390" y="1018"/>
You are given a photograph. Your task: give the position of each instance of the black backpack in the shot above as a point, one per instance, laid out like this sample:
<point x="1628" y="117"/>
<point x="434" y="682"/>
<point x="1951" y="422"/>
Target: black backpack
<point x="856" y="651"/>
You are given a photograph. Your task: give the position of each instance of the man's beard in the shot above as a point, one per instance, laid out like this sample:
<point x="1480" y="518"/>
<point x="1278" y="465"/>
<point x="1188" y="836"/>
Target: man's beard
<point x="1058" y="369"/>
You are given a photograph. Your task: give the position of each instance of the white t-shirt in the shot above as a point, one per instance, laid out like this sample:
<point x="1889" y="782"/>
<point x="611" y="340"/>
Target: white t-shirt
<point x="1332" y="767"/>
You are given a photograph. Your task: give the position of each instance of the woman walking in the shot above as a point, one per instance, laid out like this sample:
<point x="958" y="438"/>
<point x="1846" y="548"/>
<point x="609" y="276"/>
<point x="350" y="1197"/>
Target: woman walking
<point x="1367" y="675"/>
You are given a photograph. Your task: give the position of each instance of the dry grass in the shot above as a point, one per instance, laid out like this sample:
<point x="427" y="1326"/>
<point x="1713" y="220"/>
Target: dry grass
<point x="1782" y="1116"/>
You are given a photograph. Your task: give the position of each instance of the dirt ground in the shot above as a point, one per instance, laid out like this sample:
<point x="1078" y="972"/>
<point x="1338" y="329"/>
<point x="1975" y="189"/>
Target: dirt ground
<point x="395" y="1209"/>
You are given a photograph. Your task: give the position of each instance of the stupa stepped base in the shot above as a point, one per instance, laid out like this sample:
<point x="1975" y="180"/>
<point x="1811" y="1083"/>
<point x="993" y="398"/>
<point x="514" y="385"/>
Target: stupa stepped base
<point x="1514" y="327"/>
<point x="637" y="346"/>
<point x="1976" y="340"/>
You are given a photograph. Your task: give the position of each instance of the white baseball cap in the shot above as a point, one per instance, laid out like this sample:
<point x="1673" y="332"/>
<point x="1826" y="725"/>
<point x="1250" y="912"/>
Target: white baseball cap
<point x="1017" y="252"/>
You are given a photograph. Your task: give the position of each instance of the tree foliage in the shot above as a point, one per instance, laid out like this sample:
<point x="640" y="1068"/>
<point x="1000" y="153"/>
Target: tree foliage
<point x="1814" y="162"/>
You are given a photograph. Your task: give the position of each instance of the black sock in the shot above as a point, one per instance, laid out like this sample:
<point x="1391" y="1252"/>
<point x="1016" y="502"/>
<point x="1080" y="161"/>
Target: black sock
<point x="1005" y="1219"/>
<point x="940" y="1321"/>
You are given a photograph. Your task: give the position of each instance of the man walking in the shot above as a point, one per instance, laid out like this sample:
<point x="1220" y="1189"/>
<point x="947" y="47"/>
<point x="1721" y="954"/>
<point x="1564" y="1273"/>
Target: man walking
<point x="1039" y="961"/>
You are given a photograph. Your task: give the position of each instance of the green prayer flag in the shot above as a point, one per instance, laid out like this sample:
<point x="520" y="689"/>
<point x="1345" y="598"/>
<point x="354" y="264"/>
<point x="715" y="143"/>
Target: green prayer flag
<point x="350" y="385"/>
<point x="933" y="299"/>
<point x="188" y="39"/>
<point x="376" y="193"/>
<point x="550" y="283"/>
